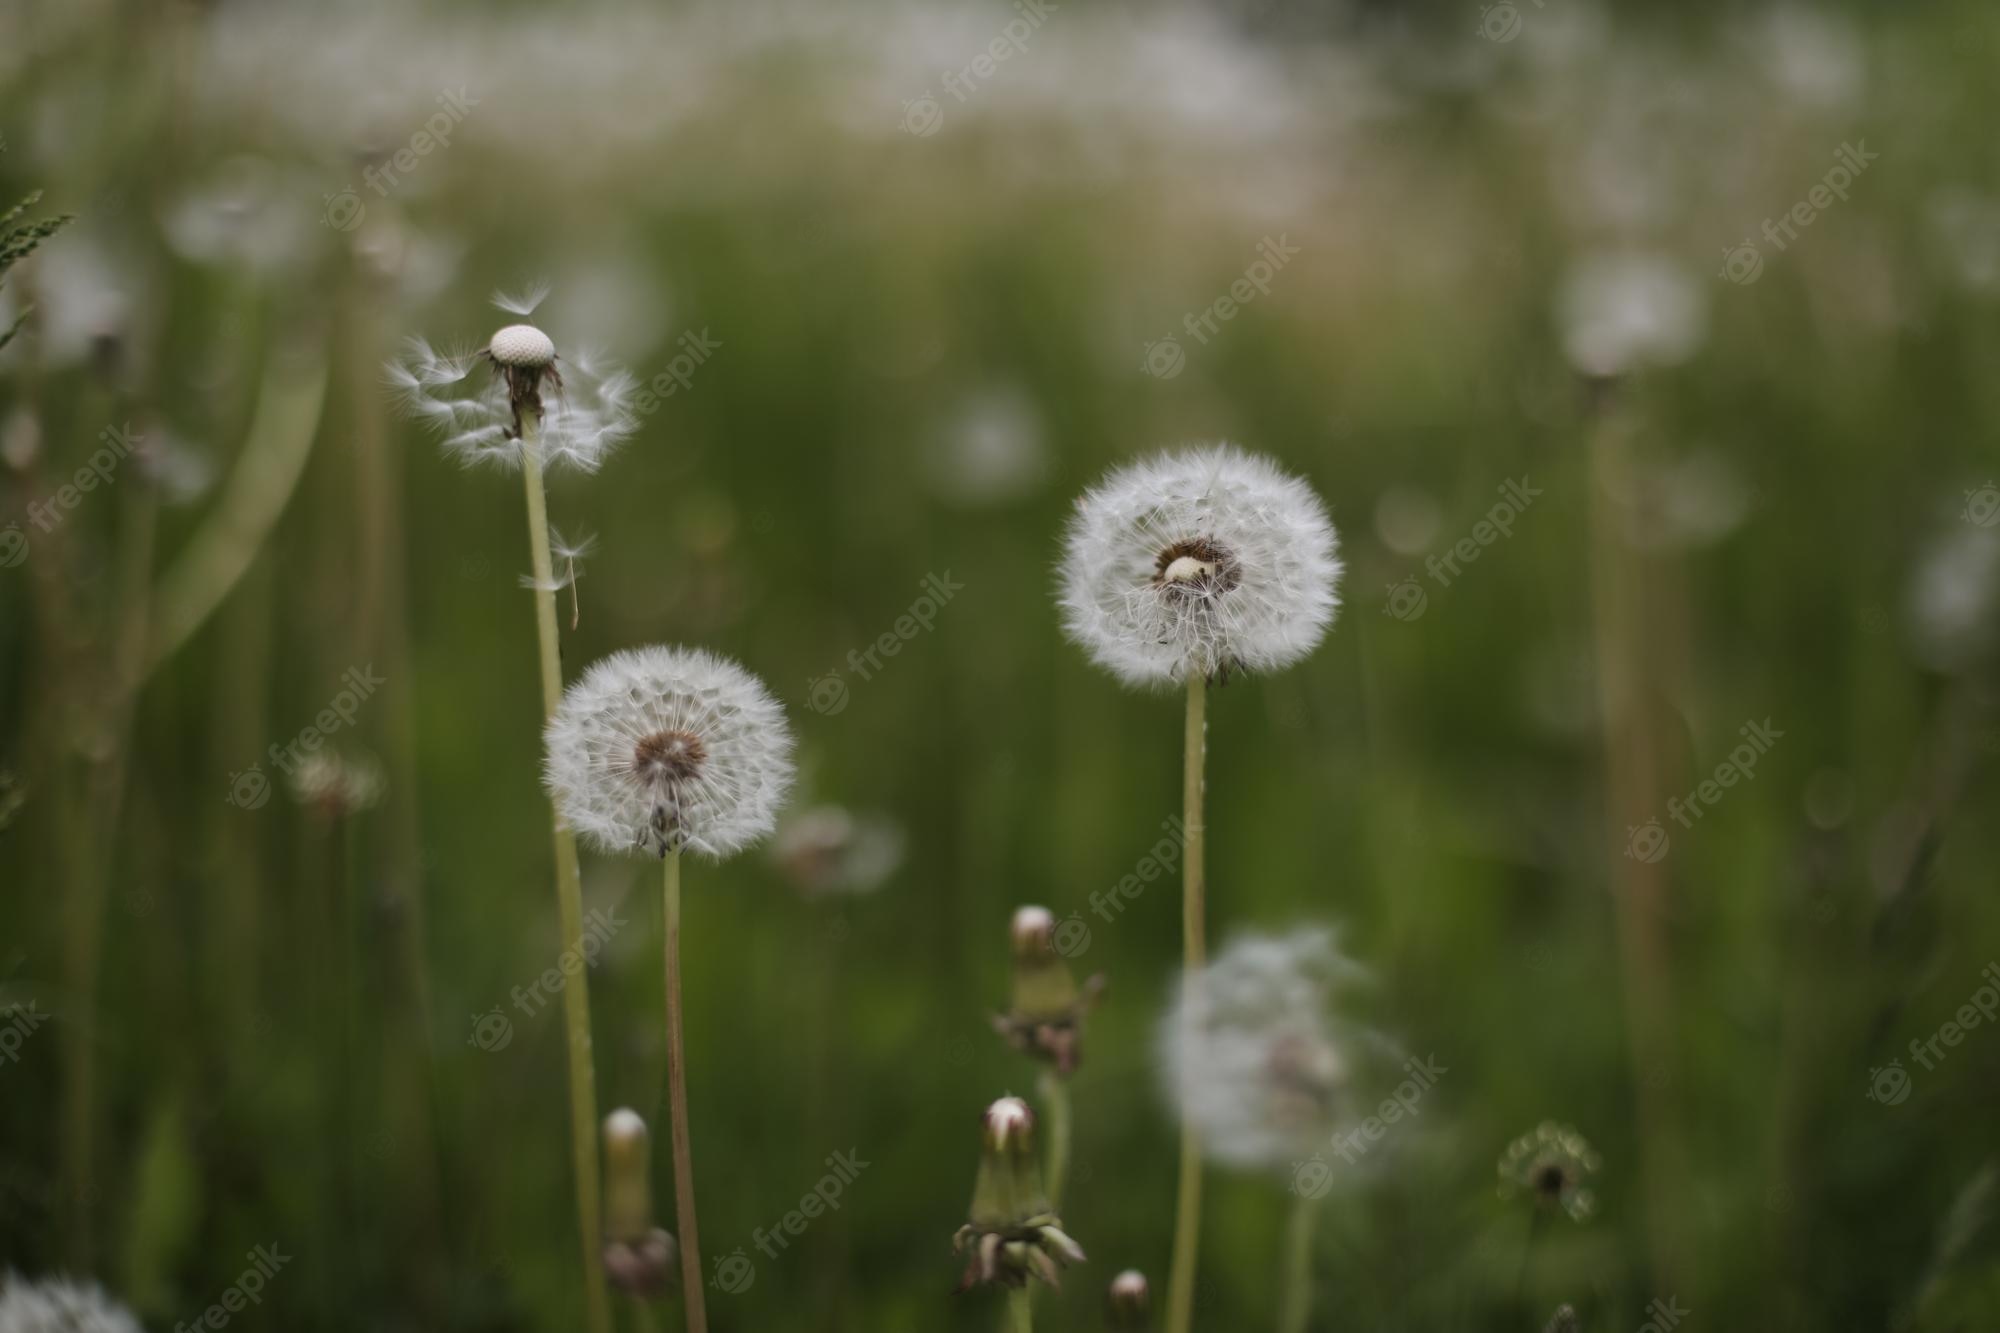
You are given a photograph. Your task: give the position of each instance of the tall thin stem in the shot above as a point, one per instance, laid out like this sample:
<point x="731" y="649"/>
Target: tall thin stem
<point x="1194" y="956"/>
<point x="1055" y="1105"/>
<point x="677" y="1097"/>
<point x="1020" y="1311"/>
<point x="569" y="901"/>
<point x="1297" y="1290"/>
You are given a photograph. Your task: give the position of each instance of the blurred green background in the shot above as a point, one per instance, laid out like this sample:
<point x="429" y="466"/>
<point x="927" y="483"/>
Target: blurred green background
<point x="941" y="311"/>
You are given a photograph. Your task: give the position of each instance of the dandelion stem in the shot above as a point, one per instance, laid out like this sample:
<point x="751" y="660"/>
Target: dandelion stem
<point x="697" y="1315"/>
<point x="569" y="901"/>
<point x="1020" y="1311"/>
<point x="1055" y="1102"/>
<point x="1194" y="951"/>
<point x="1298" y="1266"/>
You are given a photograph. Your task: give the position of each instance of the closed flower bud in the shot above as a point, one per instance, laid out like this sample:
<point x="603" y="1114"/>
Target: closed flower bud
<point x="1131" y="1300"/>
<point x="1046" y="1018"/>
<point x="639" y="1257"/>
<point x="1013" y="1232"/>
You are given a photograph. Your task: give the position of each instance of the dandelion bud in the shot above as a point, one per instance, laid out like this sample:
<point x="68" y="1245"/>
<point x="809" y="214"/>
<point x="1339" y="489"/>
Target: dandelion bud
<point x="1131" y="1298"/>
<point x="1046" y="1018"/>
<point x="639" y="1257"/>
<point x="1563" y="1320"/>
<point x="1013" y="1232"/>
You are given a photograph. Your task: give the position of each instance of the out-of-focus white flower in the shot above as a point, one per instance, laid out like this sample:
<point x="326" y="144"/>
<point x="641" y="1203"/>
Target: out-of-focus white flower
<point x="1626" y="310"/>
<point x="1816" y="57"/>
<point x="1251" y="1053"/>
<point x="1206" y="560"/>
<point x="827" y="850"/>
<point x="335" y="785"/>
<point x="992" y="451"/>
<point x="1407" y="520"/>
<point x="60" y="1305"/>
<point x="669" y="748"/>
<point x="248" y="212"/>
<point x="1954" y="598"/>
<point x="1686" y="502"/>
<point x="584" y="409"/>
<point x="1966" y="224"/>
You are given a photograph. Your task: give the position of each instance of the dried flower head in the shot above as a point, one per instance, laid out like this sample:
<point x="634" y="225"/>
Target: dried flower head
<point x="826" y="850"/>
<point x="1252" y="1054"/>
<point x="1013" y="1231"/>
<point x="60" y="1305"/>
<point x="639" y="1257"/>
<point x="1045" y="1016"/>
<point x="669" y="748"/>
<point x="583" y="410"/>
<point x="1552" y="1164"/>
<point x="1208" y="560"/>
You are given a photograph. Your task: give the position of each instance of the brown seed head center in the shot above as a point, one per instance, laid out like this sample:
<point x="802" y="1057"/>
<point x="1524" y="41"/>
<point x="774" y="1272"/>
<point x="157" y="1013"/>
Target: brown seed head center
<point x="1196" y="567"/>
<point x="668" y="756"/>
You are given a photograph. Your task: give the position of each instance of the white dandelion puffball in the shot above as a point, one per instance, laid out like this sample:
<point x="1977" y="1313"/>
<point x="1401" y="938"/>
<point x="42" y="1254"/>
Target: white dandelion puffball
<point x="669" y="748"/>
<point x="1623" y="311"/>
<point x="1205" y="560"/>
<point x="58" y="1305"/>
<point x="1251" y="1054"/>
<point x="574" y="410"/>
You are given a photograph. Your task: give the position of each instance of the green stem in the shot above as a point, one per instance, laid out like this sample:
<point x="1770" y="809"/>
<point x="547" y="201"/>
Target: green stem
<point x="569" y="900"/>
<point x="1055" y="1104"/>
<point x="1298" y="1266"/>
<point x="697" y="1314"/>
<point x="1194" y="951"/>
<point x="1020" y="1311"/>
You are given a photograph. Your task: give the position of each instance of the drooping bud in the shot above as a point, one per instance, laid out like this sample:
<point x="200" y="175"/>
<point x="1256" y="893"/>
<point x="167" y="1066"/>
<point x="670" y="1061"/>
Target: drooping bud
<point x="1131" y="1299"/>
<point x="1013" y="1231"/>
<point x="639" y="1257"/>
<point x="1045" y="1019"/>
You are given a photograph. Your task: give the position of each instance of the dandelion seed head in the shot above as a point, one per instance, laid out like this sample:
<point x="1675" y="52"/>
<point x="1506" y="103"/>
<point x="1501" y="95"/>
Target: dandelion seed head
<point x="1205" y="560"/>
<point x="1252" y="1054"/>
<point x="826" y="850"/>
<point x="669" y="748"/>
<point x="60" y="1305"/>
<point x="1552" y="1164"/>
<point x="522" y="346"/>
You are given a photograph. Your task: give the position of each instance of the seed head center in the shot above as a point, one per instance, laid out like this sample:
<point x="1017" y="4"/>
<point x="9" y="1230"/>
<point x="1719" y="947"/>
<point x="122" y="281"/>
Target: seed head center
<point x="1198" y="566"/>
<point x="668" y="757"/>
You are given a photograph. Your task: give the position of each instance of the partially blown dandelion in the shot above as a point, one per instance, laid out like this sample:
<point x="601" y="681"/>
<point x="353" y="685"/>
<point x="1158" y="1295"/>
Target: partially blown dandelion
<point x="662" y="749"/>
<point x="1552" y="1164"/>
<point x="1201" y="562"/>
<point x="568" y="410"/>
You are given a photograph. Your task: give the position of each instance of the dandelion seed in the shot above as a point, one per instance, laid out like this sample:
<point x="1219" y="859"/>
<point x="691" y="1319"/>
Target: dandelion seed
<point x="1200" y="562"/>
<point x="60" y="1305"/>
<point x="669" y="748"/>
